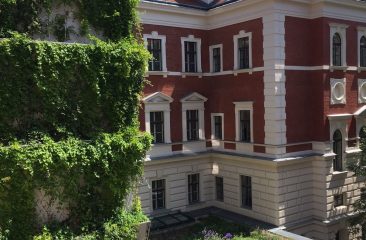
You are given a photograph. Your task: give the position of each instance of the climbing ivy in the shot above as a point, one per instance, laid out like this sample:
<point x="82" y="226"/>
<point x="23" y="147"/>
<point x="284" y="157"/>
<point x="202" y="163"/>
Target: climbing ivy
<point x="68" y="116"/>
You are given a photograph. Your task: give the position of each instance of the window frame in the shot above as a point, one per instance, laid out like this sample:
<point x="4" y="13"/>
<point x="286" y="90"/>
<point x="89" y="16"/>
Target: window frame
<point x="239" y="106"/>
<point x="164" y="194"/>
<point x="338" y="150"/>
<point x="242" y="186"/>
<point x="190" y="189"/>
<point x="213" y="115"/>
<point x="211" y="53"/>
<point x="191" y="38"/>
<point x="156" y="122"/>
<point x="190" y="120"/>
<point x="361" y="33"/>
<point x="340" y="201"/>
<point x="341" y="29"/>
<point x="155" y="35"/>
<point x="221" y="189"/>
<point x="242" y="34"/>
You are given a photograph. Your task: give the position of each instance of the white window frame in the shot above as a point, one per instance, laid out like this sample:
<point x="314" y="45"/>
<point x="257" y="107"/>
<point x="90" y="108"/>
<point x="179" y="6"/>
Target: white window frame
<point x="158" y="102"/>
<point x="242" y="34"/>
<point x="334" y="83"/>
<point x="191" y="38"/>
<point x="211" y="57"/>
<point x="194" y="101"/>
<point x="155" y="35"/>
<point x="341" y="29"/>
<point x="243" y="106"/>
<point x="213" y="125"/>
<point x="361" y="31"/>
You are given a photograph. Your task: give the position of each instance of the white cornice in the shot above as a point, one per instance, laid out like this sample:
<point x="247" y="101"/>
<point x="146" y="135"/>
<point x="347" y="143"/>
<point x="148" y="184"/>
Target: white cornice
<point x="177" y="16"/>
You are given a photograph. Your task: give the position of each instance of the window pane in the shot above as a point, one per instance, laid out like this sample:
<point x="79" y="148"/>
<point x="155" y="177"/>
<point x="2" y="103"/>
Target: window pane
<point x="154" y="47"/>
<point x="363" y="52"/>
<point x="219" y="189"/>
<point x="337" y="50"/>
<point x="157" y="126"/>
<point x="190" y="49"/>
<point x="244" y="125"/>
<point x="337" y="149"/>
<point x="192" y="125"/>
<point x="243" y="53"/>
<point x="218" y="127"/>
<point x="216" y="61"/>
<point x="246" y="191"/>
<point x="338" y="200"/>
<point x="158" y="194"/>
<point x="193" y="188"/>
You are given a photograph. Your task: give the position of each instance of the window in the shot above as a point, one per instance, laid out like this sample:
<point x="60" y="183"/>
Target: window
<point x="158" y="194"/>
<point x="217" y="125"/>
<point x="193" y="114"/>
<point x="244" y="125"/>
<point x="191" y="54"/>
<point x="219" y="189"/>
<point x="337" y="50"/>
<point x="157" y="126"/>
<point x="155" y="44"/>
<point x="246" y="192"/>
<point x="363" y="51"/>
<point x="190" y="51"/>
<point x="216" y="58"/>
<point x="363" y="194"/>
<point x="243" y="121"/>
<point x="337" y="149"/>
<point x="192" y="125"/>
<point x="193" y="188"/>
<point x="338" y="200"/>
<point x="157" y="116"/>
<point x="154" y="47"/>
<point x="338" y="235"/>
<point x="338" y="37"/>
<point x="243" y="50"/>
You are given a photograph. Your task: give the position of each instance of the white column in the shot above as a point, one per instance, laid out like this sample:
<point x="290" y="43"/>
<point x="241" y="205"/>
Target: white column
<point x="201" y="119"/>
<point x="274" y="83"/>
<point x="167" y="127"/>
<point x="147" y="122"/>
<point x="184" y="125"/>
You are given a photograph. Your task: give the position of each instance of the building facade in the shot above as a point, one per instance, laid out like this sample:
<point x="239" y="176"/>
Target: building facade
<point x="256" y="106"/>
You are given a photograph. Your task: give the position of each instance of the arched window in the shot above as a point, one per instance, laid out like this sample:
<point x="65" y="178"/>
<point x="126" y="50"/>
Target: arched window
<point x="337" y="149"/>
<point x="337" y="50"/>
<point x="363" y="52"/>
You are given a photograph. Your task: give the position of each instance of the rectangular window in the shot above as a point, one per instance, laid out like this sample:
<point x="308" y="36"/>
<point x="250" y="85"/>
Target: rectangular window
<point x="246" y="192"/>
<point x="243" y="50"/>
<point x="217" y="127"/>
<point x="192" y="125"/>
<point x="244" y="125"/>
<point x="363" y="194"/>
<point x="216" y="59"/>
<point x="157" y="126"/>
<point x="154" y="47"/>
<point x="338" y="200"/>
<point x="193" y="188"/>
<point x="220" y="189"/>
<point x="158" y="194"/>
<point x="190" y="51"/>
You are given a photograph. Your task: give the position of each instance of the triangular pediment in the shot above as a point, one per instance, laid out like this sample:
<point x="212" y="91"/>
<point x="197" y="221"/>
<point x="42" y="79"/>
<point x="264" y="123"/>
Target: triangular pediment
<point x="194" y="97"/>
<point x="157" y="97"/>
<point x="360" y="112"/>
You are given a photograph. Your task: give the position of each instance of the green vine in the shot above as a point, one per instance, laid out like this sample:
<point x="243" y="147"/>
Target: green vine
<point x="68" y="123"/>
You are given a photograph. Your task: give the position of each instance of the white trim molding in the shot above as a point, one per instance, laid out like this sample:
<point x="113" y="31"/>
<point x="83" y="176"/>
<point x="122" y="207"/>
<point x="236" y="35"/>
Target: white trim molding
<point x="337" y="91"/>
<point x="191" y="38"/>
<point x="158" y="102"/>
<point x="341" y="29"/>
<point x="248" y="105"/>
<point x="211" y="57"/>
<point x="155" y="35"/>
<point x="194" y="101"/>
<point x="242" y="34"/>
<point x="361" y="90"/>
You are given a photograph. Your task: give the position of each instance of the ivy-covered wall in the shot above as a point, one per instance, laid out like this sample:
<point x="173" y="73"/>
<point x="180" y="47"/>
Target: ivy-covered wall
<point x="68" y="116"/>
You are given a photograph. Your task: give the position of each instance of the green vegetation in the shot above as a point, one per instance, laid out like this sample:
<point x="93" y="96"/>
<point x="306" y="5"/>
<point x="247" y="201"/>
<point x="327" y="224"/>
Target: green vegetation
<point x="68" y="120"/>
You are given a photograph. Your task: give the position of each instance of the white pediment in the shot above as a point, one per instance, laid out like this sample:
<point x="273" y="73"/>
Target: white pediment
<point x="194" y="97"/>
<point x="360" y="112"/>
<point x="157" y="97"/>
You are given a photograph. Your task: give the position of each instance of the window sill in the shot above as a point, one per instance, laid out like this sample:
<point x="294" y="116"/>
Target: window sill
<point x="343" y="68"/>
<point x="157" y="73"/>
<point x="189" y="74"/>
<point x="246" y="208"/>
<point x="361" y="69"/>
<point x="246" y="70"/>
<point x="339" y="173"/>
